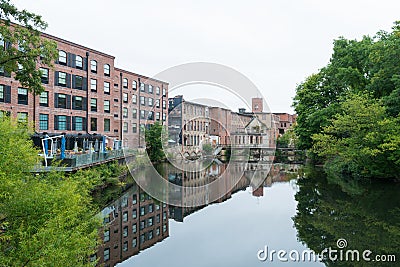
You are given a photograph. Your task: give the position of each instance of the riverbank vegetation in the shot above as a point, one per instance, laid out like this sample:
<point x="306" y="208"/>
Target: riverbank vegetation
<point x="348" y="112"/>
<point x="45" y="219"/>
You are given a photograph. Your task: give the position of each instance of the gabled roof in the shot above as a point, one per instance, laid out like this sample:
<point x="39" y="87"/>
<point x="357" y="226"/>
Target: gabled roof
<point x="255" y="117"/>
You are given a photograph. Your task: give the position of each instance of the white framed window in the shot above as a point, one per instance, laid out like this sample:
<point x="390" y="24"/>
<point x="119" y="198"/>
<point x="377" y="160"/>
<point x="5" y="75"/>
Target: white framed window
<point x="22" y="96"/>
<point x="44" y="99"/>
<point x="93" y="85"/>
<point x="79" y="62"/>
<point x="125" y="82"/>
<point x="134" y="85"/>
<point x="134" y="99"/>
<point x="107" y="106"/>
<point x="106" y="254"/>
<point x="62" y="57"/>
<point x="45" y="75"/>
<point x="106" y="70"/>
<point x="158" y="90"/>
<point x="106" y="235"/>
<point x="150" y="101"/>
<point x="93" y="66"/>
<point x="107" y="88"/>
<point x="62" y="78"/>
<point x="150" y="89"/>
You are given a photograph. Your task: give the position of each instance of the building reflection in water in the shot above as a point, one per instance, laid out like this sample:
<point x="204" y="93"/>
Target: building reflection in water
<point x="136" y="221"/>
<point x="133" y="223"/>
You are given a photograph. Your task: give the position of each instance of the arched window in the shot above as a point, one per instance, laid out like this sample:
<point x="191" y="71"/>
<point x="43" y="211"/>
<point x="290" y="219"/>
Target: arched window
<point x="93" y="66"/>
<point x="106" y="70"/>
<point x="125" y="83"/>
<point x="62" y="57"/>
<point x="79" y="62"/>
<point x="134" y="85"/>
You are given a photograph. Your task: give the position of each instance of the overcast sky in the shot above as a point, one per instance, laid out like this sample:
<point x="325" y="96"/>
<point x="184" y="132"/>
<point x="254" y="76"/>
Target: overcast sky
<point x="276" y="44"/>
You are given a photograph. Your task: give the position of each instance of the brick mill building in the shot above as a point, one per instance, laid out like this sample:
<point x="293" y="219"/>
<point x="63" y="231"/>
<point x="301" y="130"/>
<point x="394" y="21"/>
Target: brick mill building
<point x="86" y="93"/>
<point x="189" y="125"/>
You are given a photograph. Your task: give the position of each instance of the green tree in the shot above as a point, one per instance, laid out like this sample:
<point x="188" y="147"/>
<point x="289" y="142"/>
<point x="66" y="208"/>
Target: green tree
<point x="361" y="141"/>
<point x="22" y="47"/>
<point x="288" y="139"/>
<point x="317" y="98"/>
<point x="327" y="123"/>
<point x="45" y="220"/>
<point x="154" y="142"/>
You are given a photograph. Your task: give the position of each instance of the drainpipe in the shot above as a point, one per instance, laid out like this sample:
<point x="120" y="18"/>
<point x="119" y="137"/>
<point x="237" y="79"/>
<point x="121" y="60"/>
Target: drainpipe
<point x="34" y="112"/>
<point x="161" y="104"/>
<point x="120" y="107"/>
<point x="139" y="111"/>
<point x="87" y="92"/>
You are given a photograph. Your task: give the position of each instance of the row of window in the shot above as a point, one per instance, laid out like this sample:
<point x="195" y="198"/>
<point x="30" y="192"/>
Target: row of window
<point x="143" y="197"/>
<point x="144" y="115"/>
<point x="143" y="211"/>
<point x="62" y="122"/>
<point x="143" y="237"/>
<point x="63" y="79"/>
<point x="143" y="87"/>
<point x="79" y="62"/>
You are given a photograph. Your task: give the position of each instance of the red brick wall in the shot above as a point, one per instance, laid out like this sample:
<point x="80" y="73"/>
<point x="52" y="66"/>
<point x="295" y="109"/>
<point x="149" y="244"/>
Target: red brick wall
<point x="115" y="115"/>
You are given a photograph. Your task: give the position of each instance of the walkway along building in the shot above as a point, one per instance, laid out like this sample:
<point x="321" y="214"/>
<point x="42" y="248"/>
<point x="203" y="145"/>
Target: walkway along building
<point x="86" y="93"/>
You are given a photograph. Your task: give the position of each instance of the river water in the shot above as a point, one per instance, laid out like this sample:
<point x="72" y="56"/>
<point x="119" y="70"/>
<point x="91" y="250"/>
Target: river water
<point x="294" y="209"/>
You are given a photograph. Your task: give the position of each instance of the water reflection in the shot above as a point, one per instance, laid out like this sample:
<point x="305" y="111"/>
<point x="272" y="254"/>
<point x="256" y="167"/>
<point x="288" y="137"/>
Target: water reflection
<point x="133" y="223"/>
<point x="366" y="215"/>
<point x="136" y="221"/>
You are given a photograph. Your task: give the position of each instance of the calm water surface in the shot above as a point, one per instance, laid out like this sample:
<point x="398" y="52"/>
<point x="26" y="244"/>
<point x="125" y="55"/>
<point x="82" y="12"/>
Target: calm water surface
<point x="284" y="214"/>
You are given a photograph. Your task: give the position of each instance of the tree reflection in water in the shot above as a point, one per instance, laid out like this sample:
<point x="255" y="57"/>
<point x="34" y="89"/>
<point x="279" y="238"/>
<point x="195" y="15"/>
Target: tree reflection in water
<point x="366" y="215"/>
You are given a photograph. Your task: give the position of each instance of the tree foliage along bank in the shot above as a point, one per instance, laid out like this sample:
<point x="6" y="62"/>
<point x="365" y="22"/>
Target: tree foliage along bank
<point x="348" y="112"/>
<point x="45" y="220"/>
<point x="154" y="142"/>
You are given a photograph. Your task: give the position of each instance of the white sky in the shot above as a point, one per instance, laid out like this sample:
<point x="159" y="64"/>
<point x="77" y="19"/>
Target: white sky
<point x="276" y="44"/>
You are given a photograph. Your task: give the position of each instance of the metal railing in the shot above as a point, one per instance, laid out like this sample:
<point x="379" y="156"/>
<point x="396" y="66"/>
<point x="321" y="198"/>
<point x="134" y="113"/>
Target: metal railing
<point x="76" y="161"/>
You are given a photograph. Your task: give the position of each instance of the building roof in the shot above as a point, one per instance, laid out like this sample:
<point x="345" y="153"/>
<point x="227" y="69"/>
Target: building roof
<point x="58" y="39"/>
<point x="139" y="75"/>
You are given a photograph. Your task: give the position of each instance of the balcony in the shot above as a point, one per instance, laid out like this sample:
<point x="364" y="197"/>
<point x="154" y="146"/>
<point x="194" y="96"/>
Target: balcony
<point x="73" y="162"/>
